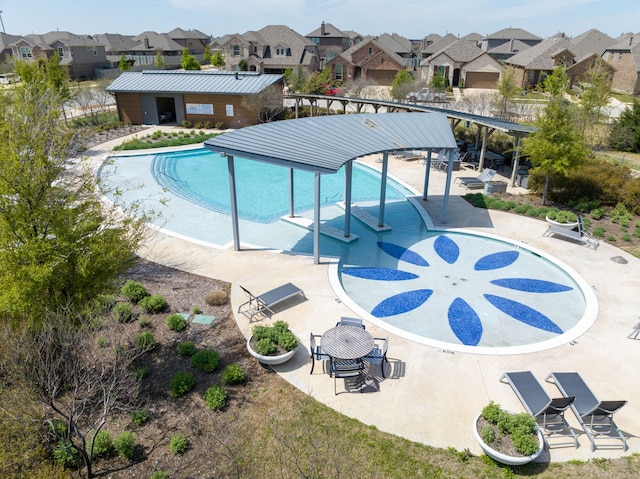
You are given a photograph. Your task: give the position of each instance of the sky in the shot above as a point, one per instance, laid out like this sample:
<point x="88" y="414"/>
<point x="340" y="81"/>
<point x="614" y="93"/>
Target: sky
<point x="413" y="19"/>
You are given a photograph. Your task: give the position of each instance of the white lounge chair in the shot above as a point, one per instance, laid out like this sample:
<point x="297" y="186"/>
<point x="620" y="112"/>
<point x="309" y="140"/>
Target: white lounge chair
<point x="579" y="234"/>
<point x="471" y="182"/>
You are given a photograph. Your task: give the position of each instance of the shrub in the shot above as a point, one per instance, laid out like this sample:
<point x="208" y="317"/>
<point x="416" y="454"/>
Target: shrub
<point x="144" y="322"/>
<point x="102" y="444"/>
<point x="219" y="125"/>
<point x="141" y="372"/>
<point x="122" y="312"/>
<point x="521" y="428"/>
<point x="233" y="374"/>
<point x="124" y="444"/>
<point x="217" y="298"/>
<point x="140" y="418"/>
<point x="186" y="348"/>
<point x="196" y="310"/>
<point x="265" y="347"/>
<point x="153" y="304"/>
<point x="145" y="341"/>
<point x="186" y="124"/>
<point x="181" y="383"/>
<point x="133" y="291"/>
<point x="64" y="454"/>
<point x="104" y="302"/>
<point x="599" y="231"/>
<point x="206" y="360"/>
<point x="102" y="342"/>
<point x="176" y="322"/>
<point x="267" y="337"/>
<point x="178" y="443"/>
<point x="562" y="216"/>
<point x="159" y="475"/>
<point x="523" y="209"/>
<point x="216" y="398"/>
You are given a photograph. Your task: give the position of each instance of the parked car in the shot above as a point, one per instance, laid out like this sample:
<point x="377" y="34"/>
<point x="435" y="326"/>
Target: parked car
<point x="425" y="95"/>
<point x="9" y="78"/>
<point x="333" y="91"/>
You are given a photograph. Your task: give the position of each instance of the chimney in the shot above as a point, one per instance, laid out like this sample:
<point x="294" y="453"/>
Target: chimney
<point x="146" y="42"/>
<point x="511" y="45"/>
<point x="322" y="30"/>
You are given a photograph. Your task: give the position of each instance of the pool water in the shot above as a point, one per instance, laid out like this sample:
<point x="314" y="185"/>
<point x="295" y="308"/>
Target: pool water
<point x="450" y="289"/>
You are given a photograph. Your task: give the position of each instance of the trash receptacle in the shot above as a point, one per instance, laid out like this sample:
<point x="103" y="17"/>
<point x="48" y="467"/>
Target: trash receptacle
<point x="491" y="187"/>
<point x="523" y="181"/>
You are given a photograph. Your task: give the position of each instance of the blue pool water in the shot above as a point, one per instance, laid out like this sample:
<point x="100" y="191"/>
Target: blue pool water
<point x="262" y="190"/>
<point x="450" y="289"/>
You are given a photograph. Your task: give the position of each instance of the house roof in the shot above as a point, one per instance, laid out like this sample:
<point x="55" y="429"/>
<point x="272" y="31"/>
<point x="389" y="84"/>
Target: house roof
<point x="512" y="46"/>
<point x="329" y="32"/>
<point x="45" y="40"/>
<point x="439" y="44"/>
<point x="348" y="54"/>
<point x="515" y="33"/>
<point x="6" y="40"/>
<point x="394" y="43"/>
<point x="115" y="42"/>
<point x="460" y="51"/>
<point x="593" y="41"/>
<point x="163" y="81"/>
<point x="187" y="34"/>
<point x="158" y="42"/>
<point x="325" y="143"/>
<point x="541" y="56"/>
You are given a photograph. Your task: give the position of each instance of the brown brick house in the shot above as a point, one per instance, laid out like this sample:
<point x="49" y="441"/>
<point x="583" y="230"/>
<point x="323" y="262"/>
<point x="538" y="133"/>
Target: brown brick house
<point x="624" y="57"/>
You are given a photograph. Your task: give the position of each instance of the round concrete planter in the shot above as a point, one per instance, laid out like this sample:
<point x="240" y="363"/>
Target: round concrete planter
<point x="271" y="360"/>
<point x="504" y="458"/>
<point x="568" y="226"/>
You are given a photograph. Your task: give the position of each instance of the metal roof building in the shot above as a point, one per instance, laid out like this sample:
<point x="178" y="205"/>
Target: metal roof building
<point x="325" y="144"/>
<point x="160" y="96"/>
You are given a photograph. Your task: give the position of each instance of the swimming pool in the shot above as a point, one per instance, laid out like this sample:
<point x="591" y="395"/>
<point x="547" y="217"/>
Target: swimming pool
<point x="450" y="289"/>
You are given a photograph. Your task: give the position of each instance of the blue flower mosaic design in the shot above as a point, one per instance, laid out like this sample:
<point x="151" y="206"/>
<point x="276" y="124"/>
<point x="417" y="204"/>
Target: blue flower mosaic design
<point x="463" y="320"/>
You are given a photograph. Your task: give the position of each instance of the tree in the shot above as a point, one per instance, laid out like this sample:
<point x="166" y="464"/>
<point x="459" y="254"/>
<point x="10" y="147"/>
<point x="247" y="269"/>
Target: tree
<point x="60" y="245"/>
<point x="295" y="78"/>
<point x="124" y="64"/>
<point x="266" y="105"/>
<point x="159" y="60"/>
<point x="437" y="82"/>
<point x="316" y="83"/>
<point x="505" y="93"/>
<point x="206" y="56"/>
<point x="595" y="94"/>
<point x="217" y="60"/>
<point x="555" y="146"/>
<point x="77" y="383"/>
<point x="188" y="61"/>
<point x="401" y="84"/>
<point x="625" y="134"/>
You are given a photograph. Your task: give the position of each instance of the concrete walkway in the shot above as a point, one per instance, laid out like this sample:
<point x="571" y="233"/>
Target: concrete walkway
<point x="433" y="394"/>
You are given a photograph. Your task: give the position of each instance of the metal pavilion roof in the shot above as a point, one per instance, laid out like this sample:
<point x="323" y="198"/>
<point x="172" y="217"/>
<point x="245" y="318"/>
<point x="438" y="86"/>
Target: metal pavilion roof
<point x="206" y="82"/>
<point x="326" y="143"/>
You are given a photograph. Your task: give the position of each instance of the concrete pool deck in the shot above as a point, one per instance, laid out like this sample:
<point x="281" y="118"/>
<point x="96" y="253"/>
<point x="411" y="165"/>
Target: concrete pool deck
<point x="433" y="394"/>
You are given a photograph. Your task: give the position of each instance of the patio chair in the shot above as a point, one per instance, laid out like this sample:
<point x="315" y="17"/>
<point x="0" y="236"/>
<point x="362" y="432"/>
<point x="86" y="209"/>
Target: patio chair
<point x="549" y="413"/>
<point x="346" y="369"/>
<point x="470" y="182"/>
<point x="595" y="417"/>
<point x="579" y="234"/>
<point x="379" y="354"/>
<point x="635" y="332"/>
<point x="316" y="351"/>
<point x="263" y="303"/>
<point x="407" y="155"/>
<point x="469" y="159"/>
<point x="344" y="321"/>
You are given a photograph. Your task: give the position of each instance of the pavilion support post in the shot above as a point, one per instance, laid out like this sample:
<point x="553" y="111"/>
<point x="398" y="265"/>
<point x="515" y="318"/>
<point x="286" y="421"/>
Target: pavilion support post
<point x="234" y="203"/>
<point x="516" y="161"/>
<point x="447" y="186"/>
<point x="348" y="175"/>
<point x="383" y="188"/>
<point x="291" y="190"/>
<point x="316" y="218"/>
<point x="426" y="176"/>
<point x="483" y="149"/>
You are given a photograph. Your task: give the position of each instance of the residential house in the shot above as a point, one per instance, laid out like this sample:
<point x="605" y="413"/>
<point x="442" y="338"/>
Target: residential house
<point x="401" y="46"/>
<point x="369" y="60"/>
<point x="193" y="40"/>
<point x="81" y="55"/>
<point x="330" y="41"/>
<point x="450" y="61"/>
<point x="354" y="37"/>
<point x="115" y="46"/>
<point x="272" y="49"/>
<point x="509" y="35"/>
<point x="159" y="96"/>
<point x="590" y="46"/>
<point x="6" y="52"/>
<point x="624" y="57"/>
<point x="149" y="44"/>
<point x="438" y="45"/>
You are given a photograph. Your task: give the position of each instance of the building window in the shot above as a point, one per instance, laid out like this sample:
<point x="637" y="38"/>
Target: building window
<point x="60" y="52"/>
<point x="370" y="50"/>
<point x="95" y="52"/>
<point x="236" y="50"/>
<point x="315" y="40"/>
<point x="339" y="73"/>
<point x="281" y="52"/>
<point x="25" y="52"/>
<point x="255" y="49"/>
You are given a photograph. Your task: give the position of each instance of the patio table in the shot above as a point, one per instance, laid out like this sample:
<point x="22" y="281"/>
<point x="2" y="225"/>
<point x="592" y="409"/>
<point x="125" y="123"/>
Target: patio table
<point x="347" y="342"/>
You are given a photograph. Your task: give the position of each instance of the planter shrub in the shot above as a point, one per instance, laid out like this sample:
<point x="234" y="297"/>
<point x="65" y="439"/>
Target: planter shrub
<point x="176" y="322"/>
<point x="216" y="398"/>
<point x="233" y="374"/>
<point x="153" y="304"/>
<point x="206" y="360"/>
<point x="133" y="291"/>
<point x="521" y="428"/>
<point x="181" y="383"/>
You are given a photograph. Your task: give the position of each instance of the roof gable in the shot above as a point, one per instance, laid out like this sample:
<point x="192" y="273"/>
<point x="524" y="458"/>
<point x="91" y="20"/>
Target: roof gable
<point x="515" y="33"/>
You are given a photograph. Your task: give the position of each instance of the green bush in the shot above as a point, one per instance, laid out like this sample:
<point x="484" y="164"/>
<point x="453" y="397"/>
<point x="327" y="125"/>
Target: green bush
<point x="176" y="322"/>
<point x="145" y="341"/>
<point x="141" y="372"/>
<point x="159" y="475"/>
<point x="597" y="213"/>
<point x="153" y="304"/>
<point x="216" y="398"/>
<point x="233" y="374"/>
<point x="144" y="322"/>
<point x="140" y="418"/>
<point x="181" y="383"/>
<point x="102" y="342"/>
<point x="599" y="231"/>
<point x="521" y="427"/>
<point x="268" y="337"/>
<point x="265" y="347"/>
<point x="562" y="216"/>
<point x="65" y="455"/>
<point x="122" y="312"/>
<point x="206" y="360"/>
<point x="125" y="444"/>
<point x="133" y="291"/>
<point x="104" y="302"/>
<point x="186" y="348"/>
<point x="196" y="310"/>
<point x="102" y="444"/>
<point x="178" y="443"/>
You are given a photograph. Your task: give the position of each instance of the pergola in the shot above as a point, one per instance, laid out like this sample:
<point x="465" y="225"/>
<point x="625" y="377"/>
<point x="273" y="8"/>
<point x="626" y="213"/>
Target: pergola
<point x="324" y="144"/>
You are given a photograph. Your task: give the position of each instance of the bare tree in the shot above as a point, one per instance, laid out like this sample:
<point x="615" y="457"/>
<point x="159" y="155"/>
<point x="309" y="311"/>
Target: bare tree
<point x="77" y="382"/>
<point x="266" y="105"/>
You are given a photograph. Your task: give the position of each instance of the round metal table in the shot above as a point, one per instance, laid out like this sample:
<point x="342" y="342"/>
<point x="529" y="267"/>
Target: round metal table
<point x="347" y="342"/>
